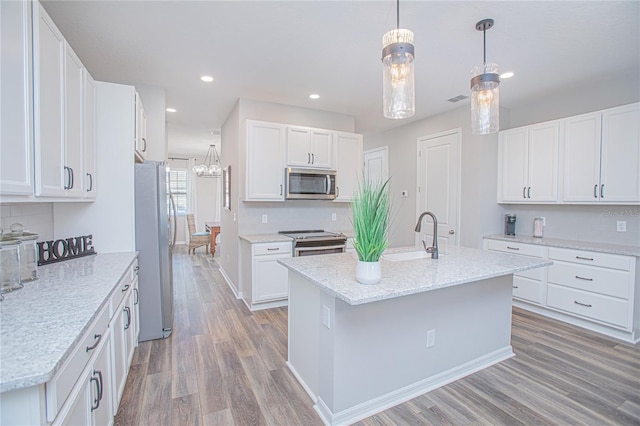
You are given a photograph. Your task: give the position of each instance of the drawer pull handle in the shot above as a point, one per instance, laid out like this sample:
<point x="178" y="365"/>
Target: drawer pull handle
<point x="582" y="304"/>
<point x="273" y="249"/>
<point x="515" y="286"/>
<point x="584" y="279"/>
<point x="125" y="288"/>
<point x="584" y="258"/>
<point x="513" y="248"/>
<point x="95" y="336"/>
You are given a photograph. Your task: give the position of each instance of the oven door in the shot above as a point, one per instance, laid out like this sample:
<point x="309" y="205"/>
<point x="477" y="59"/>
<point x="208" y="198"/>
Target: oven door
<point x="312" y="251"/>
<point x="310" y="184"/>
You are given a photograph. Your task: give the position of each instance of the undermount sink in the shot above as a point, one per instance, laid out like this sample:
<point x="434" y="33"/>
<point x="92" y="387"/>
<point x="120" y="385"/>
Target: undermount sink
<point x="406" y="255"/>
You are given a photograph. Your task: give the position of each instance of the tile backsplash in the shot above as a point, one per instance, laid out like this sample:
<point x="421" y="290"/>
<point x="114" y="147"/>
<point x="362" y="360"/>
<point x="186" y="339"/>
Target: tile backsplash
<point x="34" y="217"/>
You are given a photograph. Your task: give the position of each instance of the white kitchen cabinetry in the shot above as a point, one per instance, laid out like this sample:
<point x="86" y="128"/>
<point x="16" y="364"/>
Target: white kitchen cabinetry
<point x="308" y="147"/>
<point x="141" y="131"/>
<point x="73" y="122"/>
<point x="16" y="140"/>
<point x="349" y="162"/>
<point x="89" y="121"/>
<point x="602" y="156"/>
<point x="528" y="164"/>
<point x="265" y="161"/>
<point x="267" y="282"/>
<point x="528" y="285"/>
<point x="590" y="289"/>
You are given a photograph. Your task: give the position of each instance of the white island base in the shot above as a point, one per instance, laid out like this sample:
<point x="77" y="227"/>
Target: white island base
<point x="358" y="360"/>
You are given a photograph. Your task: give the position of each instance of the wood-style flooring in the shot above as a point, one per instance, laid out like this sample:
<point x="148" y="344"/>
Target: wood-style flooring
<point x="224" y="365"/>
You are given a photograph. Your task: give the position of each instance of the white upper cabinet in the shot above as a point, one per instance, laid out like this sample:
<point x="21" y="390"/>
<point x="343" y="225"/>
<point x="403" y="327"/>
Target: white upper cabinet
<point x="51" y="174"/>
<point x="528" y="164"/>
<point x="73" y="122"/>
<point x="16" y="140"/>
<point x="141" y="130"/>
<point x="602" y="156"/>
<point x="265" y="161"/>
<point x="307" y="147"/>
<point x="89" y="121"/>
<point x="349" y="163"/>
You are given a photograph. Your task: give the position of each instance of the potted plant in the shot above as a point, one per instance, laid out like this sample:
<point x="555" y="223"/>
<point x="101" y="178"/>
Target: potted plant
<point x="371" y="210"/>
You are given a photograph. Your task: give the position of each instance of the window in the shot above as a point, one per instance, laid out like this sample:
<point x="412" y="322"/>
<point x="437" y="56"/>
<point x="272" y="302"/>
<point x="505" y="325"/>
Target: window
<point x="177" y="183"/>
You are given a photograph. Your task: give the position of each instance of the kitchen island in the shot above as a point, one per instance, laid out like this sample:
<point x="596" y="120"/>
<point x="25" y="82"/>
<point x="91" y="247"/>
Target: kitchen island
<point x="360" y="349"/>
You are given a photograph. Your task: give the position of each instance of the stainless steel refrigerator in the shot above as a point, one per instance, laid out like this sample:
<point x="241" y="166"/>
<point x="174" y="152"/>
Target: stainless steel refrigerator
<point x="155" y="239"/>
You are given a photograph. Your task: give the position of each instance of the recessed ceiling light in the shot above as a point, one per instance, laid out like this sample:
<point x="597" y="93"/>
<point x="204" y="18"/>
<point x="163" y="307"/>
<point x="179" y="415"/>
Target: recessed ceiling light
<point x="314" y="96"/>
<point x="171" y="110"/>
<point x="206" y="78"/>
<point x="508" y="74"/>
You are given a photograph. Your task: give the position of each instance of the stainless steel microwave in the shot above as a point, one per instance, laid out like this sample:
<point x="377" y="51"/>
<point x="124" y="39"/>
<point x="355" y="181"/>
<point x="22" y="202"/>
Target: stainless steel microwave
<point x="310" y="184"/>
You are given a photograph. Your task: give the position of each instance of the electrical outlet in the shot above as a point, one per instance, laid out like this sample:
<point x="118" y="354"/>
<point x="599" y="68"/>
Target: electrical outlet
<point x="334" y="217"/>
<point x="621" y="226"/>
<point x="404" y="193"/>
<point x="326" y="316"/>
<point x="265" y="218"/>
<point x="431" y="338"/>
<point x="235" y="218"/>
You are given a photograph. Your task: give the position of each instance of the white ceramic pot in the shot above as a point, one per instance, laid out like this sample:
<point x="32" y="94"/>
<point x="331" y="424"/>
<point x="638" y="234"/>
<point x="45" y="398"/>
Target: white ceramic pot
<point x="368" y="272"/>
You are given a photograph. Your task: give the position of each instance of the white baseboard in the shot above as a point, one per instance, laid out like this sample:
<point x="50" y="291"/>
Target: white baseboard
<point x="237" y="294"/>
<point x="313" y="397"/>
<point x="398" y="396"/>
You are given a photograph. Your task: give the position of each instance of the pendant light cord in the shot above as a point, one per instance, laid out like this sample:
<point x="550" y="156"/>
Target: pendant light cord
<point x="397" y="14"/>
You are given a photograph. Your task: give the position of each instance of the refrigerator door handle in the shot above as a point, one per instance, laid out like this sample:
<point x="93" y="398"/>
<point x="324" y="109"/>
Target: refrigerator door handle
<point x="173" y="213"/>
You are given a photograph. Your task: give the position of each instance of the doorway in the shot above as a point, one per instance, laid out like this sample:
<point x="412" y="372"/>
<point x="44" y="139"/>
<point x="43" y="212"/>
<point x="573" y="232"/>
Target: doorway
<point x="438" y="187"/>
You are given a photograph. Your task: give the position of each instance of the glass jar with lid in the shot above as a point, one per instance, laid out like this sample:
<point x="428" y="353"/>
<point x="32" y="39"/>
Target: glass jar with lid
<point x="9" y="265"/>
<point x="28" y="257"/>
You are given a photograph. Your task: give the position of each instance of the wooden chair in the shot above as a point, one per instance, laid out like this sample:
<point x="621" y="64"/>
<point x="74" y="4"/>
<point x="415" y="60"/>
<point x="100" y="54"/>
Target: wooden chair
<point x="196" y="239"/>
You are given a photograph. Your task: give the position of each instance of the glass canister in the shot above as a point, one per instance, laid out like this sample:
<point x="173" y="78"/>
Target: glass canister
<point x="9" y="265"/>
<point x="28" y="257"/>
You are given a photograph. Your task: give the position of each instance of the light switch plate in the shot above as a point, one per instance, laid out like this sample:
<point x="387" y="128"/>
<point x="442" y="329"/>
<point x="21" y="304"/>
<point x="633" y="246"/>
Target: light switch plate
<point x="265" y="218"/>
<point x="621" y="226"/>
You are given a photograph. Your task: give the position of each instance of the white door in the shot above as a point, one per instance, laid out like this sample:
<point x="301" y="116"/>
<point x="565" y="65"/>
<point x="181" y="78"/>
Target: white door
<point x="376" y="164"/>
<point x="438" y="187"/>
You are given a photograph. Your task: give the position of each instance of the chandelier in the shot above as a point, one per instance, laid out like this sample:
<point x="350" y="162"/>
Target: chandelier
<point x="210" y="168"/>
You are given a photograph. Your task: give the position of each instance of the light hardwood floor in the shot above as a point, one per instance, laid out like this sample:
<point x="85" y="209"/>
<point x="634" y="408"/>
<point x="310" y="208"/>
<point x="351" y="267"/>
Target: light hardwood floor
<point x="224" y="365"/>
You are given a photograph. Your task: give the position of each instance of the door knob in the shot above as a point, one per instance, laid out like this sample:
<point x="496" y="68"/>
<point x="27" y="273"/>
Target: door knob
<point x="451" y="232"/>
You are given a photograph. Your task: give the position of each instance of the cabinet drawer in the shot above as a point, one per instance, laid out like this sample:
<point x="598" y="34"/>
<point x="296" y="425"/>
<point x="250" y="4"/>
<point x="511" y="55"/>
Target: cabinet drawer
<point x="516" y="248"/>
<point x="611" y="282"/>
<point x="534" y="274"/>
<point x="271" y="248"/>
<point x="527" y="289"/>
<point x="123" y="286"/>
<point x="598" y="307"/>
<point x="591" y="258"/>
<point x="58" y="389"/>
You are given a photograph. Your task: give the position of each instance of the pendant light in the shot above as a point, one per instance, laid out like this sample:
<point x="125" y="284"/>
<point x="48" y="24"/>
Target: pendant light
<point x="210" y="168"/>
<point x="398" y="91"/>
<point x="485" y="95"/>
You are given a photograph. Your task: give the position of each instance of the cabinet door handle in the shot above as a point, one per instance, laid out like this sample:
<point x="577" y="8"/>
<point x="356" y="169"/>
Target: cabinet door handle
<point x="524" y="192"/>
<point x="595" y="191"/>
<point x="313" y="158"/>
<point x="101" y="388"/>
<point x="128" y="312"/>
<point x="308" y="158"/>
<point x="144" y="147"/>
<point x="98" y="337"/>
<point x="602" y="191"/>
<point x="96" y="401"/>
<point x="280" y="189"/>
<point x="529" y="192"/>
<point x="273" y="249"/>
<point x="136" y="298"/>
<point x="584" y="279"/>
<point x="72" y="178"/>
<point x="582" y="304"/>
<point x="90" y="182"/>
<point x="337" y="191"/>
<point x="67" y="178"/>
<point x="585" y="258"/>
<point x="513" y="248"/>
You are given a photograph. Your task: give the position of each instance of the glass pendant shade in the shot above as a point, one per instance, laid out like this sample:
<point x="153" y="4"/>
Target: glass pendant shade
<point x="398" y="74"/>
<point x="485" y="99"/>
<point x="210" y="167"/>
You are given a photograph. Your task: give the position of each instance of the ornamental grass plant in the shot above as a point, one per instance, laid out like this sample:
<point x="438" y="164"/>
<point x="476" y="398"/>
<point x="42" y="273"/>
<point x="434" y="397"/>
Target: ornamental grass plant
<point x="371" y="208"/>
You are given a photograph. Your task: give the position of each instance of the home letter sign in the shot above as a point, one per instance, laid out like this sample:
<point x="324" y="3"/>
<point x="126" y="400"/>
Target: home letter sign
<point x="65" y="249"/>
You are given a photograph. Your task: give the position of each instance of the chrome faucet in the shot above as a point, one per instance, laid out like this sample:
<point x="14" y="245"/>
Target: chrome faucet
<point x="434" y="247"/>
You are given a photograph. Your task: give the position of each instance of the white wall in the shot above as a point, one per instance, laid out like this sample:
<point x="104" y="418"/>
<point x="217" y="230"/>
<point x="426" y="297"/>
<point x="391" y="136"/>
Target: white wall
<point x="153" y="100"/>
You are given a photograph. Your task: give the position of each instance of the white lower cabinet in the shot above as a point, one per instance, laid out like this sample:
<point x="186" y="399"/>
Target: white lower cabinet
<point x="595" y="290"/>
<point x="266" y="281"/>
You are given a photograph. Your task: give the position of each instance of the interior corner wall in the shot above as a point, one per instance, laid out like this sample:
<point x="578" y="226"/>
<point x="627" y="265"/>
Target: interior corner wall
<point x="153" y="100"/>
<point x="230" y="156"/>
<point x="479" y="158"/>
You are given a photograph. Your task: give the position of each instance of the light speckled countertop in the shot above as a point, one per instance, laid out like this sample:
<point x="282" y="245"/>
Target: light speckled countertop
<point x="571" y="244"/>
<point x="335" y="273"/>
<point x="41" y="323"/>
<point x="265" y="238"/>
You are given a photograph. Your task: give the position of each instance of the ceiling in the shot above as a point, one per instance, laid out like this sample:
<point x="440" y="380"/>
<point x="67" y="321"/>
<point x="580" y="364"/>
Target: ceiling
<point x="282" y="51"/>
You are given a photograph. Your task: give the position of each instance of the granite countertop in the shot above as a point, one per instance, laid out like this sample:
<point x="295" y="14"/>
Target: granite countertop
<point x="265" y="238"/>
<point x="570" y="244"/>
<point x="335" y="273"/>
<point x="41" y="323"/>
